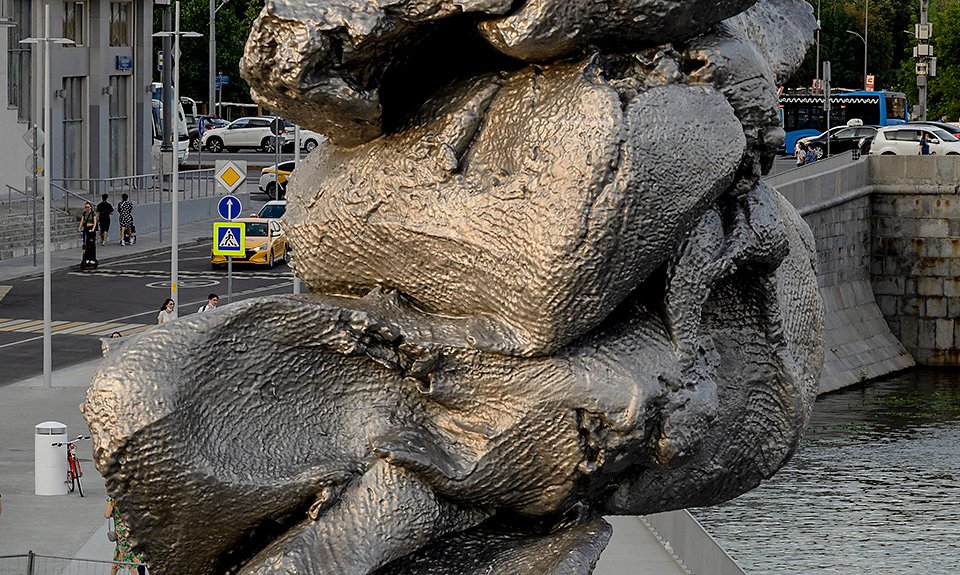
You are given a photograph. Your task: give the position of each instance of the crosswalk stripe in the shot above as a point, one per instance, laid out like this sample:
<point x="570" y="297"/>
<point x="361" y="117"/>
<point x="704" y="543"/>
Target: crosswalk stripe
<point x="63" y="327"/>
<point x="24" y="326"/>
<point x="99" y="327"/>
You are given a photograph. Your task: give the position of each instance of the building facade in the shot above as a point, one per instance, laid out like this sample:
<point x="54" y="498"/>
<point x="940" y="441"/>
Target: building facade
<point x="101" y="116"/>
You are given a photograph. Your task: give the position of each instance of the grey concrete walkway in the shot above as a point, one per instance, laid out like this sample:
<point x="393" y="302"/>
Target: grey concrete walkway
<point x="71" y="526"/>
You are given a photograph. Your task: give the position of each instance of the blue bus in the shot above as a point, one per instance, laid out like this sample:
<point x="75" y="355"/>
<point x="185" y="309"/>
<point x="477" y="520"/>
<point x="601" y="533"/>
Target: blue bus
<point x="802" y="115"/>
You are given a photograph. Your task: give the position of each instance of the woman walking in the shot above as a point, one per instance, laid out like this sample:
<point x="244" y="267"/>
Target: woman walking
<point x="123" y="553"/>
<point x="167" y="312"/>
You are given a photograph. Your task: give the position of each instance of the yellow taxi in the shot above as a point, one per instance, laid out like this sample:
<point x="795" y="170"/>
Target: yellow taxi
<point x="265" y="244"/>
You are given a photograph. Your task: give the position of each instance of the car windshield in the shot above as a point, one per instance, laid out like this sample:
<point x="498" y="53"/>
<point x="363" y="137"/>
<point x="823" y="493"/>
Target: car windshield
<point x="272" y="211"/>
<point x="944" y="135"/>
<point x="257" y="229"/>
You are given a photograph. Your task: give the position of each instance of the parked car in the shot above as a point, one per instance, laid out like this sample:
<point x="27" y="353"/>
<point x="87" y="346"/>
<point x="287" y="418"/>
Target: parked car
<point x="842" y="139"/>
<point x="273" y="209"/>
<point x="269" y="178"/>
<point x="951" y="128"/>
<point x="309" y="139"/>
<point x="251" y="132"/>
<point x="209" y="123"/>
<point x="265" y="244"/>
<point x="905" y="140"/>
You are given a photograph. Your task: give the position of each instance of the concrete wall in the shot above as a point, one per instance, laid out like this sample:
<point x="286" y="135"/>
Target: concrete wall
<point x="834" y="198"/>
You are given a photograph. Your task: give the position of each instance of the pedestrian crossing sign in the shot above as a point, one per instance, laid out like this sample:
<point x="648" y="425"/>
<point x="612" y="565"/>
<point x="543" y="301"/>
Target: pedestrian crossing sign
<point x="229" y="239"/>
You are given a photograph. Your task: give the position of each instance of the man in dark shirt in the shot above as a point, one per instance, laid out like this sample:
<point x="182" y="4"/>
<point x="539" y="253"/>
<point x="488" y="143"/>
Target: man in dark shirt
<point x="104" y="209"/>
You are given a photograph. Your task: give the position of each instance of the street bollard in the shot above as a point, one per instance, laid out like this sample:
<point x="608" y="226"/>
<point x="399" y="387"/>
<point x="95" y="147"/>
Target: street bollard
<point x="49" y="462"/>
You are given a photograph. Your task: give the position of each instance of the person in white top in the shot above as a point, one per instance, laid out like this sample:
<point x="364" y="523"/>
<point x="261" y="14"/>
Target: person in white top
<point x="167" y="311"/>
<point x="211" y="304"/>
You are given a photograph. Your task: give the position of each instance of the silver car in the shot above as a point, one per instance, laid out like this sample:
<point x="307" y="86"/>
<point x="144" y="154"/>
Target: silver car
<point x="904" y="140"/>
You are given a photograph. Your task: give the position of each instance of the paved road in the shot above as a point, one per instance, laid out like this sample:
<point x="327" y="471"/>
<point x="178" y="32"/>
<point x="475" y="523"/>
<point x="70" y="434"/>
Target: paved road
<point x="124" y="294"/>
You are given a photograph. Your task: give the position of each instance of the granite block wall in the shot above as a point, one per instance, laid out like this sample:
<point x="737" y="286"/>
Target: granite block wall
<point x="916" y="269"/>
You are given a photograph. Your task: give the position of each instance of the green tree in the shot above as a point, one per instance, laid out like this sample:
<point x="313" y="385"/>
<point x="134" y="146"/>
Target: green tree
<point x="234" y="20"/>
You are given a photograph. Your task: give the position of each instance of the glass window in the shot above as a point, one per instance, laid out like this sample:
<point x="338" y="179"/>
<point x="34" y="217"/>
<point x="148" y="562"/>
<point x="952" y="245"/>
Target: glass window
<point x="239" y="124"/>
<point x="120" y="23"/>
<point x="845" y="133"/>
<point x="73" y="22"/>
<point x="19" y="59"/>
<point x="73" y="127"/>
<point x="119" y="126"/>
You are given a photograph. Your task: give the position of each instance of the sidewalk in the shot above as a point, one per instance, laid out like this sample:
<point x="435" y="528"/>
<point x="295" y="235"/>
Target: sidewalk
<point x="63" y="526"/>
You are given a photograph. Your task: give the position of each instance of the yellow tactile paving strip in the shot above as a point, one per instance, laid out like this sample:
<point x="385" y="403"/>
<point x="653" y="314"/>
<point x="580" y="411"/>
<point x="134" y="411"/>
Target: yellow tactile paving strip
<point x="94" y="328"/>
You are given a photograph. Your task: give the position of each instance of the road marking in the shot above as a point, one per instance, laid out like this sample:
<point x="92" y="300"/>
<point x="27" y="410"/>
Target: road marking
<point x="4" y="290"/>
<point x="10" y="325"/>
<point x="71" y="327"/>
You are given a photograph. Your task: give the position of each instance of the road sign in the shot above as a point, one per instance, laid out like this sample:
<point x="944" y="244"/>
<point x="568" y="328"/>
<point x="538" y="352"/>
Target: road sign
<point x="230" y="174"/>
<point x="220" y="81"/>
<point x="276" y="126"/>
<point x="229" y="207"/>
<point x="870" y="82"/>
<point x="229" y="238"/>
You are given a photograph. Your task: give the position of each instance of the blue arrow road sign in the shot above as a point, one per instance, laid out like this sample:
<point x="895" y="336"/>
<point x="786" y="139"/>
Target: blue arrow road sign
<point x="229" y="207"/>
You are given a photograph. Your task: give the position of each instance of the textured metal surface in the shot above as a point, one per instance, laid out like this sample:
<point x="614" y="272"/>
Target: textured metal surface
<point x="541" y="292"/>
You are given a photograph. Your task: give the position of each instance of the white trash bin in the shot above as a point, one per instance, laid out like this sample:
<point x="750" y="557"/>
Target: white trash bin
<point x="49" y="462"/>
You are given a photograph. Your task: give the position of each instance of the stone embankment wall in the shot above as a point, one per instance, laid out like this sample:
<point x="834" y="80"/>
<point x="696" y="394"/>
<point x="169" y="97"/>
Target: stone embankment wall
<point x="916" y="252"/>
<point x="834" y="198"/>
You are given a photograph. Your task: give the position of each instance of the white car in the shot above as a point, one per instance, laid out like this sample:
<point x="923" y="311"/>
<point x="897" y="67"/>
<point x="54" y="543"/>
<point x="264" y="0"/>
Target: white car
<point x="273" y="210"/>
<point x="268" y="179"/>
<point x="309" y="139"/>
<point x="251" y="132"/>
<point x="904" y="140"/>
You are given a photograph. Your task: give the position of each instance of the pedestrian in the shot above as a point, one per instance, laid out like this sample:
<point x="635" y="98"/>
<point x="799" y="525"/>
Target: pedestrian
<point x="123" y="552"/>
<point x="811" y="155"/>
<point x="800" y="152"/>
<point x="943" y="118"/>
<point x="167" y="311"/>
<point x="104" y="209"/>
<point x="924" y="145"/>
<point x="116" y="335"/>
<point x="211" y="304"/>
<point x="125" y="211"/>
<point x="88" y="224"/>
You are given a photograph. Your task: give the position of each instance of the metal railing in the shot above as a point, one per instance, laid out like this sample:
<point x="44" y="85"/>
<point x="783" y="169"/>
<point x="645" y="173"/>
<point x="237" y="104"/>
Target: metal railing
<point x="25" y="203"/>
<point x="34" y="564"/>
<point x="142" y="189"/>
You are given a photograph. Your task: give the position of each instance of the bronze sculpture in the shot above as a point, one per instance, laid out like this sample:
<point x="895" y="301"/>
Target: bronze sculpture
<point x="547" y="284"/>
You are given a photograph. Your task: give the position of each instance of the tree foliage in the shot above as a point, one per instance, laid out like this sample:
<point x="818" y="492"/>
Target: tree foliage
<point x="890" y="42"/>
<point x="233" y="22"/>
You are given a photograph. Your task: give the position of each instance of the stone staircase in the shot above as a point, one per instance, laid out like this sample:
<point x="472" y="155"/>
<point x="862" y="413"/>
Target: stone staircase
<point x="16" y="231"/>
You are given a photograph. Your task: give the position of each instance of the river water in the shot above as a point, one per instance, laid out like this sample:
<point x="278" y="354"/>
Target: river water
<point x="874" y="488"/>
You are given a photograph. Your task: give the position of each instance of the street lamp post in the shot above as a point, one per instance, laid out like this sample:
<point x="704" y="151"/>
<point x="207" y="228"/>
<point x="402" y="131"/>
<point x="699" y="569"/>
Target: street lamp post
<point x="176" y="34"/>
<point x="45" y="41"/>
<point x="212" y="92"/>
<point x="864" y="40"/>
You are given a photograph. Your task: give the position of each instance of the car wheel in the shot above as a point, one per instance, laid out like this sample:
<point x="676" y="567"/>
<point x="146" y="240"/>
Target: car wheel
<point x="820" y="152"/>
<point x="215" y="145"/>
<point x="195" y="144"/>
<point x="214" y="266"/>
<point x="952" y="154"/>
<point x="888" y="153"/>
<point x="310" y="145"/>
<point x="268" y="145"/>
<point x="272" y="190"/>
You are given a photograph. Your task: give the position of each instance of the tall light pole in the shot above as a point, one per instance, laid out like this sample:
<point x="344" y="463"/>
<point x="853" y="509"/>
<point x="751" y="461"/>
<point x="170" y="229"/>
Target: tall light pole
<point x="818" y="86"/>
<point x="212" y="92"/>
<point x="176" y="34"/>
<point x="45" y="42"/>
<point x="864" y="40"/>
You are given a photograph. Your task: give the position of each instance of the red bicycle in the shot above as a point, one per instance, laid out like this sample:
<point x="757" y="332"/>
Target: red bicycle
<point x="74" y="473"/>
